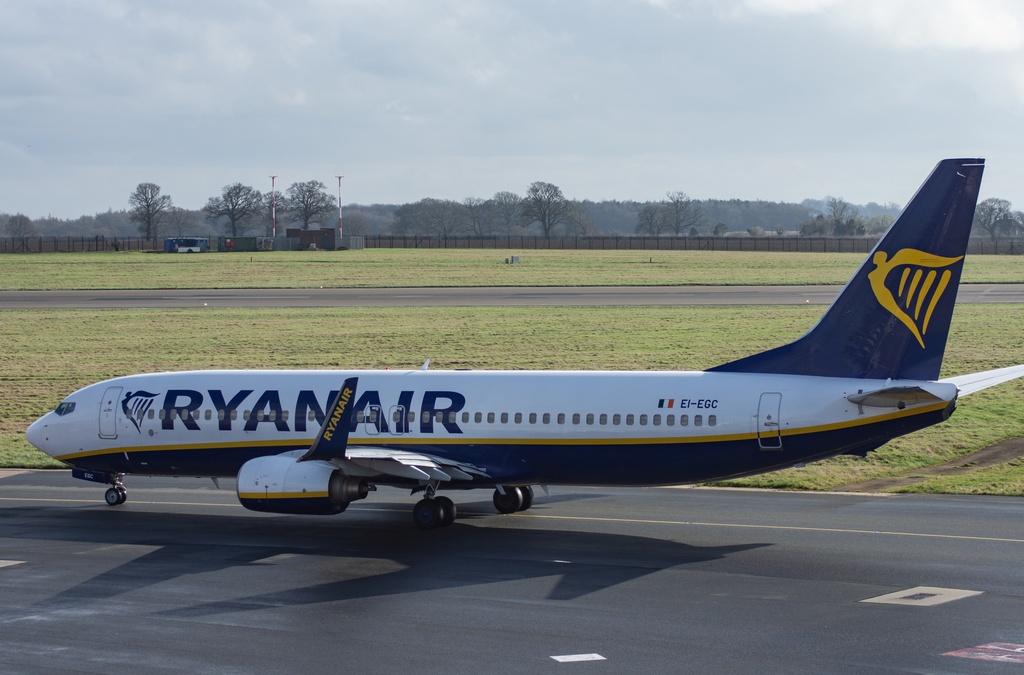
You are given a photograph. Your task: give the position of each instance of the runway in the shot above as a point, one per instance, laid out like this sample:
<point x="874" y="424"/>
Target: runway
<point x="181" y="578"/>
<point x="463" y="297"/>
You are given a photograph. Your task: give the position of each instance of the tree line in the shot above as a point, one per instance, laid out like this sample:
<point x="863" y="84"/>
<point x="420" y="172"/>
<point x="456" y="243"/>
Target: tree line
<point x="543" y="210"/>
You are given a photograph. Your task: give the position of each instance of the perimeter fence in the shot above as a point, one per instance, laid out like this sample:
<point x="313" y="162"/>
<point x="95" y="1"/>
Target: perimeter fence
<point x="977" y="246"/>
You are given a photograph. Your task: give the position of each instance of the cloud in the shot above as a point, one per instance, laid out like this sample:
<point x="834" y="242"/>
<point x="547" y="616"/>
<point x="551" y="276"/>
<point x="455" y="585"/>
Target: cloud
<point x="980" y="25"/>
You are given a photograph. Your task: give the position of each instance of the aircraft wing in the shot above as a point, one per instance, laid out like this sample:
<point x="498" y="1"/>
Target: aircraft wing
<point x="968" y="384"/>
<point x="374" y="461"/>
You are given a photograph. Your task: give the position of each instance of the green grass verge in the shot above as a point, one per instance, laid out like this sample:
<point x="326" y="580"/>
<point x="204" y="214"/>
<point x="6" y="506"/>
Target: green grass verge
<point x="49" y="353"/>
<point x="443" y="267"/>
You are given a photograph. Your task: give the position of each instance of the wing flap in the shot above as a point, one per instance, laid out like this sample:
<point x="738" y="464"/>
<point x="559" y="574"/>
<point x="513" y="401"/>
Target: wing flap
<point x="404" y="464"/>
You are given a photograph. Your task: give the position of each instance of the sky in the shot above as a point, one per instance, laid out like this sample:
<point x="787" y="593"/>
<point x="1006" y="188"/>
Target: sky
<point x="779" y="100"/>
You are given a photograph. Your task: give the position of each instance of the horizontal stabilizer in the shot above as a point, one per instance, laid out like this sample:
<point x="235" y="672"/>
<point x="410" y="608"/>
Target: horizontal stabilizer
<point x="893" y="397"/>
<point x="968" y="384"/>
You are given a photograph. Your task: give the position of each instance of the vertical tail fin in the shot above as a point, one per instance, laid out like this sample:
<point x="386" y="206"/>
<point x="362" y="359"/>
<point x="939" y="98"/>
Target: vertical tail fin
<point x="892" y="319"/>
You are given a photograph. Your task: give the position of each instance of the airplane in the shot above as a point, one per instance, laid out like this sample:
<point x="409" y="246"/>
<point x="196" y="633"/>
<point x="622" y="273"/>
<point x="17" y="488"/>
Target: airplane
<point x="314" y="441"/>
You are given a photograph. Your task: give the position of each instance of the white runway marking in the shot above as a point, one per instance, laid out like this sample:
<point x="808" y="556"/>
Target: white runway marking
<point x="574" y="658"/>
<point x="923" y="596"/>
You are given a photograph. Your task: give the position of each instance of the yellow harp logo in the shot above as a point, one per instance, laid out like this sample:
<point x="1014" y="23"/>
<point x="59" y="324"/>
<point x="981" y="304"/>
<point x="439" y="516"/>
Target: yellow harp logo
<point x="922" y="282"/>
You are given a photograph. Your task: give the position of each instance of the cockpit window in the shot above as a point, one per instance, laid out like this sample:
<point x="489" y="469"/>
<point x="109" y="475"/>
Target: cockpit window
<point x="65" y="408"/>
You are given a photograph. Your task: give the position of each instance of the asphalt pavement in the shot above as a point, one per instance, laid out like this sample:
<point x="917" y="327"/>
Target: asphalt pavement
<point x="183" y="579"/>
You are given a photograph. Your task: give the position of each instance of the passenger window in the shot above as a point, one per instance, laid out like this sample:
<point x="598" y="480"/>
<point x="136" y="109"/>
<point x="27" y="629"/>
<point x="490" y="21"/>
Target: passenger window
<point x="629" y="420"/>
<point x="451" y="418"/>
<point x="439" y="416"/>
<point x="616" y="419"/>
<point x="546" y="419"/>
<point x="478" y="418"/>
<point x="151" y="413"/>
<point x="519" y="418"/>
<point x="504" y="418"/>
<point x="533" y="418"/>
<point x="490" y="418"/>
<point x="656" y="420"/>
<point x="284" y="415"/>
<point x="411" y="416"/>
<point x="603" y="419"/>
<point x="396" y="417"/>
<point x="245" y="415"/>
<point x="712" y="420"/>
<point x="576" y="418"/>
<point x="311" y="416"/>
<point x="360" y="416"/>
<point x="697" y="420"/>
<point x="259" y="415"/>
<point x="465" y="418"/>
<point x="684" y="420"/>
<point x="643" y="420"/>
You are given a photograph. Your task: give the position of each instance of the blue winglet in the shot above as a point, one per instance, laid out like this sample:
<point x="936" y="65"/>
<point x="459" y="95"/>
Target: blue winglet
<point x="333" y="437"/>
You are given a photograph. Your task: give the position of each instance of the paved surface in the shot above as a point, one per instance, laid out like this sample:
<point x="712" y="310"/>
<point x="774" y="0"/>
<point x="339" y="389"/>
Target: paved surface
<point x="448" y="297"/>
<point x="182" y="579"/>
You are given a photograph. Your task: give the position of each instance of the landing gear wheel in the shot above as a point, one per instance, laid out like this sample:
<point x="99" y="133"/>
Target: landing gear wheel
<point x="427" y="515"/>
<point x="527" y="491"/>
<point x="448" y="511"/>
<point x="122" y="493"/>
<point x="113" y="497"/>
<point x="510" y="502"/>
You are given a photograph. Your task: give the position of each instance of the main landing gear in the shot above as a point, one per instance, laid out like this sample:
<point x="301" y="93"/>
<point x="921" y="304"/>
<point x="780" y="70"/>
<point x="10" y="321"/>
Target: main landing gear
<point x="434" y="511"/>
<point x="513" y="499"/>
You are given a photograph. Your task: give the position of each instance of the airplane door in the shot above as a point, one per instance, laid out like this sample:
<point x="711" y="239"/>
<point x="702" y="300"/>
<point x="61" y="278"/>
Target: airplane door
<point x="108" y="412"/>
<point x="769" y="426"/>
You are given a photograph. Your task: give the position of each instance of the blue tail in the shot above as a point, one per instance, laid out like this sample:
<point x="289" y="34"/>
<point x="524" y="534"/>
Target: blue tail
<point x="892" y="319"/>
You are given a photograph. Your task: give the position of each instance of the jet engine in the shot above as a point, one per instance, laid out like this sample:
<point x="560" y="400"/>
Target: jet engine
<point x="280" y="484"/>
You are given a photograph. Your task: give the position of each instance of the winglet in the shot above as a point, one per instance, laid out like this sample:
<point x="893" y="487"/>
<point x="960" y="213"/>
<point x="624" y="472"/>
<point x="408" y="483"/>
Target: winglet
<point x="333" y="437"/>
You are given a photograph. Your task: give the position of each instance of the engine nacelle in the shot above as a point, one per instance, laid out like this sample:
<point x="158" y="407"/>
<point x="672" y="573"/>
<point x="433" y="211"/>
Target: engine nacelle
<point x="278" y="484"/>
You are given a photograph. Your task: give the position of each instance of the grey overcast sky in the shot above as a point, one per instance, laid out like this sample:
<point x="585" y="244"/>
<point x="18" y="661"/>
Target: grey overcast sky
<point x="627" y="99"/>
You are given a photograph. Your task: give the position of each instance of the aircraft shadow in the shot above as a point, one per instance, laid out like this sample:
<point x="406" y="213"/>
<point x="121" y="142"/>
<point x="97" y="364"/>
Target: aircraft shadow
<point x="413" y="560"/>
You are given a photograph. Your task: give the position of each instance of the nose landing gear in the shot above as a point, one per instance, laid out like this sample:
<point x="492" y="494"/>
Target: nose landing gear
<point x="116" y="495"/>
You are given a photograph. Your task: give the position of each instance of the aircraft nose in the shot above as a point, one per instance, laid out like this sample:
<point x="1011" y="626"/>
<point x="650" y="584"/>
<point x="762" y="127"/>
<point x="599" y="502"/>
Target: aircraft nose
<point x="37" y="433"/>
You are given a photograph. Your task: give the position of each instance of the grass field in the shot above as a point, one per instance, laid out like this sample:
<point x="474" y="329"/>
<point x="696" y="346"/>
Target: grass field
<point x="47" y="354"/>
<point x="441" y="267"/>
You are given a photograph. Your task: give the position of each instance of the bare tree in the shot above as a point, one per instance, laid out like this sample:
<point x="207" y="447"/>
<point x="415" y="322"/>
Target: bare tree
<point x="507" y="210"/>
<point x="990" y="214"/>
<point x="545" y="204"/>
<point x="239" y="205"/>
<point x="651" y="219"/>
<point x="148" y="207"/>
<point x="477" y="215"/>
<point x="578" y="222"/>
<point x="440" y="217"/>
<point x="682" y="213"/>
<point x="842" y="218"/>
<point x="20" y="226"/>
<point x="181" y="221"/>
<point x="309" y="202"/>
